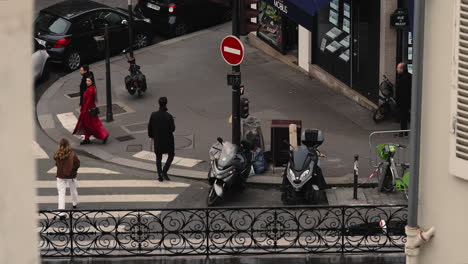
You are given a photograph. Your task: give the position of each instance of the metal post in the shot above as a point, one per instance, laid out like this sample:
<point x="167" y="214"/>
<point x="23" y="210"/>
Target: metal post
<point x="130" y="28"/>
<point x="415" y="133"/>
<point x="356" y="175"/>
<point x="236" y="127"/>
<point x="109" y="115"/>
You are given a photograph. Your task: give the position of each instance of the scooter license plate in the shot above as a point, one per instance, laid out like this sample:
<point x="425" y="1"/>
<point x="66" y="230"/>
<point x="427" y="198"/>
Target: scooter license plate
<point x="153" y="6"/>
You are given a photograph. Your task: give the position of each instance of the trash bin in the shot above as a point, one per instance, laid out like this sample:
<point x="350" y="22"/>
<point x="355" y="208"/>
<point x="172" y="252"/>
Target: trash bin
<point x="251" y="129"/>
<point x="279" y="133"/>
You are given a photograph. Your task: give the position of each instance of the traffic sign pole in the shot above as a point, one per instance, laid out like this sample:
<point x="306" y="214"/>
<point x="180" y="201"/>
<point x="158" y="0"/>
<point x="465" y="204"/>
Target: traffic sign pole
<point x="236" y="124"/>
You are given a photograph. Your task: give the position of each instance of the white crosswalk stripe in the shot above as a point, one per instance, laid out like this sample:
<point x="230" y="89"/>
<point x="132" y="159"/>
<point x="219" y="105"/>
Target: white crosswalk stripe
<point x="117" y="183"/>
<point x="38" y="152"/>
<point x="184" y="162"/>
<point x="104" y="188"/>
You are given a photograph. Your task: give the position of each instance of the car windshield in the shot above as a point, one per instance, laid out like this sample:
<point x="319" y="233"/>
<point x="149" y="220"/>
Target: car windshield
<point x="49" y="23"/>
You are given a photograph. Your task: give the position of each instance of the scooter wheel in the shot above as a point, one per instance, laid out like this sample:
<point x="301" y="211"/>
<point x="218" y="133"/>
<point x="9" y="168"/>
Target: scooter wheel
<point x="379" y="114"/>
<point x="140" y="93"/>
<point x="287" y="197"/>
<point x="213" y="198"/>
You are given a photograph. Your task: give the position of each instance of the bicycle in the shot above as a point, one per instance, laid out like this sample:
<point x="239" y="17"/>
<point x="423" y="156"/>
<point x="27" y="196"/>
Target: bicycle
<point x="389" y="106"/>
<point x="388" y="177"/>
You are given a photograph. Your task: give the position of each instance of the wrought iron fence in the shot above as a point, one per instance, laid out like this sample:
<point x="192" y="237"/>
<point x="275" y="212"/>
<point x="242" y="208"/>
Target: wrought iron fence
<point x="222" y="231"/>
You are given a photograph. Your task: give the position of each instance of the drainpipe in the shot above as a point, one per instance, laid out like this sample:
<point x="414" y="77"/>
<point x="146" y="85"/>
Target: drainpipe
<point x="415" y="236"/>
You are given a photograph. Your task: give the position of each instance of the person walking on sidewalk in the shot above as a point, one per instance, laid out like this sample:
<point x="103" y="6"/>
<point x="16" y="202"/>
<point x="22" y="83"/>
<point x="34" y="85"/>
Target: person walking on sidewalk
<point x="403" y="95"/>
<point x="89" y="123"/>
<point x="85" y="73"/>
<point x="161" y="128"/>
<point x="67" y="163"/>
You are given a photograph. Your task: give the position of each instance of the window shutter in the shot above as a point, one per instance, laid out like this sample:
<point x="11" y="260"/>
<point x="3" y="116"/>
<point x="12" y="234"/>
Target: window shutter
<point x="459" y="130"/>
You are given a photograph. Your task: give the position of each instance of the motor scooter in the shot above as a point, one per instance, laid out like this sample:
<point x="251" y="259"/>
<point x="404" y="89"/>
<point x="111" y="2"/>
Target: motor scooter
<point x="230" y="167"/>
<point x="303" y="178"/>
<point x="135" y="82"/>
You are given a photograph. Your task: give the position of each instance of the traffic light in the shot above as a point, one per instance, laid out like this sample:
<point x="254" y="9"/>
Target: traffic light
<point x="244" y="108"/>
<point x="246" y="13"/>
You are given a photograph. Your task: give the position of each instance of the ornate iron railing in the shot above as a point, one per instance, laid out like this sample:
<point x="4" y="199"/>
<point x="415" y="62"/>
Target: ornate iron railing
<point x="222" y="231"/>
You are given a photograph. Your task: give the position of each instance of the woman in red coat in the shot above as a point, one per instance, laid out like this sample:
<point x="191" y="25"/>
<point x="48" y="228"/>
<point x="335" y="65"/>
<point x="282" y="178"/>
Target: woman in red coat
<point x="88" y="125"/>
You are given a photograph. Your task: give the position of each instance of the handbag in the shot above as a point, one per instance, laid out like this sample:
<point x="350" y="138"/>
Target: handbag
<point x="94" y="112"/>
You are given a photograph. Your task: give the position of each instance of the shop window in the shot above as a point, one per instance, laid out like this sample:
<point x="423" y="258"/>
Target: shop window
<point x="332" y="39"/>
<point x="271" y="26"/>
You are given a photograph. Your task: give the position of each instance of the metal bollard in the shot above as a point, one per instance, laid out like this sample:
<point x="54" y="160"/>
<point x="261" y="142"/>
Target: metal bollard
<point x="356" y="174"/>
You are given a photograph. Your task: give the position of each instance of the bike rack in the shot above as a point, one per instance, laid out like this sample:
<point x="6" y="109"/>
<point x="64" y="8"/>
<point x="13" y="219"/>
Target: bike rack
<point x="380" y="137"/>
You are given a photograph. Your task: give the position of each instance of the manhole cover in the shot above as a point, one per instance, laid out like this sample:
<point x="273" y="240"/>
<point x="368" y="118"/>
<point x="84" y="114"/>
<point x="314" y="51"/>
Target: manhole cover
<point x="183" y="142"/>
<point x="73" y="95"/>
<point x="125" y="138"/>
<point x="134" y="148"/>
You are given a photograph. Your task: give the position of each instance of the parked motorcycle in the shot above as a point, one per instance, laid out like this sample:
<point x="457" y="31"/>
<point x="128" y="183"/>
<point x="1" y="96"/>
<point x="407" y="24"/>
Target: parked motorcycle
<point x="389" y="106"/>
<point x="136" y="81"/>
<point x="230" y="167"/>
<point x="303" y="178"/>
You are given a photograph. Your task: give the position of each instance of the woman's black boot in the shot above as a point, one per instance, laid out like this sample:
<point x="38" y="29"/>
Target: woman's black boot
<point x="86" y="141"/>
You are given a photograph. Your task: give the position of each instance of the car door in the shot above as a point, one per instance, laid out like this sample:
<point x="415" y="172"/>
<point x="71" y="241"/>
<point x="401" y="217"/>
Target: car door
<point x="83" y="35"/>
<point x="118" y="29"/>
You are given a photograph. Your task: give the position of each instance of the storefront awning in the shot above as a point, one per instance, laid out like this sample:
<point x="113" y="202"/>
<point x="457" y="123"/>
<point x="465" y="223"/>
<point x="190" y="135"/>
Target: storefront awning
<point x="299" y="11"/>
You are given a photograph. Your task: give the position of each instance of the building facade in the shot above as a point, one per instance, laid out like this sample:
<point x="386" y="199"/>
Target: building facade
<point x="346" y="44"/>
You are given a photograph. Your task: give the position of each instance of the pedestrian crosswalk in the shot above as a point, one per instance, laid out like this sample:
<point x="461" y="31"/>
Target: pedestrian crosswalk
<point x="184" y="162"/>
<point x="103" y="188"/>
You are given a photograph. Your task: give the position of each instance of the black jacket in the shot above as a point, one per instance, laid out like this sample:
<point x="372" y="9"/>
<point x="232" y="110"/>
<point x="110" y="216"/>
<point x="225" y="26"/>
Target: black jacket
<point x="83" y="85"/>
<point x="403" y="91"/>
<point x="161" y="128"/>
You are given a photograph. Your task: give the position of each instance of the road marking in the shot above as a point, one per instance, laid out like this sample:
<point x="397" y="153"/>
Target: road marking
<point x="68" y="121"/>
<point x="107" y="198"/>
<point x="38" y="152"/>
<point x="233" y="51"/>
<point x="185" y="162"/>
<point x="88" y="170"/>
<point x="116" y="183"/>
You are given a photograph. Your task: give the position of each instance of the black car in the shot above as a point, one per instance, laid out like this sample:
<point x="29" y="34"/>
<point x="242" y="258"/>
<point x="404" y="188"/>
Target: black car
<point x="73" y="31"/>
<point x="178" y="17"/>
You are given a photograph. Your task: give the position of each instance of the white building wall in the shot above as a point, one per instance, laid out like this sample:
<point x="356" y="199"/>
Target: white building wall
<point x="443" y="201"/>
<point x="18" y="239"/>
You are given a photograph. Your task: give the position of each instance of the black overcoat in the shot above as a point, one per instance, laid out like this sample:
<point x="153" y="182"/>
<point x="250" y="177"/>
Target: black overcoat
<point x="161" y="128"/>
<point x="403" y="91"/>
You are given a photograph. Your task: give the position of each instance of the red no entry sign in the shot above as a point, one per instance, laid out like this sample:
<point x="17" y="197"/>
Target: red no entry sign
<point x="232" y="50"/>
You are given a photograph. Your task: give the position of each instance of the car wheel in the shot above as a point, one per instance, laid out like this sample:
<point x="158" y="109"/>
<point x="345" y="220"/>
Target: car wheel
<point x="72" y="61"/>
<point x="180" y="29"/>
<point x="141" y="40"/>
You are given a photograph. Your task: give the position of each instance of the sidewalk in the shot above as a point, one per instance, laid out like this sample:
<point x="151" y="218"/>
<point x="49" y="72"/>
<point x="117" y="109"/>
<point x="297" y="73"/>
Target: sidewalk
<point x="190" y="71"/>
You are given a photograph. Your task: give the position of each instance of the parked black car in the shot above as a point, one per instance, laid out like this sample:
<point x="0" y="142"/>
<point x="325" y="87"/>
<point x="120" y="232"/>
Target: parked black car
<point x="178" y="17"/>
<point x="73" y="31"/>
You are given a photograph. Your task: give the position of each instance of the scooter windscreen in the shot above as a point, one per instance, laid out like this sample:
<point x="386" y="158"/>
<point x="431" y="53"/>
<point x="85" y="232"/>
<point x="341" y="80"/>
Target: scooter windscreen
<point x="228" y="152"/>
<point x="301" y="158"/>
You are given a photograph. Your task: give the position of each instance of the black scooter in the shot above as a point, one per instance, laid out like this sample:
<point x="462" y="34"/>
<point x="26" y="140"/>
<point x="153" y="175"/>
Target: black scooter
<point x="230" y="167"/>
<point x="303" y="178"/>
<point x="136" y="81"/>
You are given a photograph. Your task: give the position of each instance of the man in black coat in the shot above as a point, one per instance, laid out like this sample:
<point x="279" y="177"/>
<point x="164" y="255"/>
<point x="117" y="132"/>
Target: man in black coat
<point x="403" y="95"/>
<point x="85" y="73"/>
<point x="161" y="128"/>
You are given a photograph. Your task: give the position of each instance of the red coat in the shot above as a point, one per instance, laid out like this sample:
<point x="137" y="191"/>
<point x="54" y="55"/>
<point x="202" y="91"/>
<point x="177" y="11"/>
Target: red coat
<point x="88" y="125"/>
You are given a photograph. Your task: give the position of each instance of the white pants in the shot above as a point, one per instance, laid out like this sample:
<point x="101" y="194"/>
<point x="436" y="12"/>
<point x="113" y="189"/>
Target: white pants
<point x="62" y="188"/>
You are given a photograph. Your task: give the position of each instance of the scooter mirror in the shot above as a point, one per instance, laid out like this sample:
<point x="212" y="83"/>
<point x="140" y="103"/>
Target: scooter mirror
<point x="220" y="140"/>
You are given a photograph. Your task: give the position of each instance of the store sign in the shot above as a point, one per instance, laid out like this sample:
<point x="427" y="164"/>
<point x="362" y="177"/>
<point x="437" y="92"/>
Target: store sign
<point x="281" y="6"/>
<point x="399" y="18"/>
<point x="299" y="11"/>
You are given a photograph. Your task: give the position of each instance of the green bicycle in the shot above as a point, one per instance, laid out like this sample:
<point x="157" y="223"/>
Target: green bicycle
<point x="388" y="177"/>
